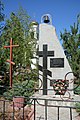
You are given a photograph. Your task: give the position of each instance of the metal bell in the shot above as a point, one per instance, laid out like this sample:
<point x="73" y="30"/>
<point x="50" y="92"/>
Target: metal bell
<point x="46" y="19"/>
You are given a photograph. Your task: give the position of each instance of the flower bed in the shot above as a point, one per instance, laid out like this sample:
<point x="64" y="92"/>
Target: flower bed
<point x="60" y="86"/>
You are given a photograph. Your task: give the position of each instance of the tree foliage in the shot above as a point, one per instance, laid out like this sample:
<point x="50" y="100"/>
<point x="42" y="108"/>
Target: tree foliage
<point x="29" y="42"/>
<point x="4" y="77"/>
<point x="1" y="11"/>
<point x="71" y="45"/>
<point x="1" y="16"/>
<point x="13" y="29"/>
<point x="17" y="28"/>
<point x="24" y="19"/>
<point x="20" y="89"/>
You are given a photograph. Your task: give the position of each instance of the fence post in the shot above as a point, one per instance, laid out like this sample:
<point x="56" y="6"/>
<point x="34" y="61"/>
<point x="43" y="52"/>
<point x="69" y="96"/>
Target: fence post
<point x="58" y="112"/>
<point x="4" y="110"/>
<point x="23" y="112"/>
<point x="34" y="108"/>
<point x="13" y="112"/>
<point x="45" y="109"/>
<point x="70" y="113"/>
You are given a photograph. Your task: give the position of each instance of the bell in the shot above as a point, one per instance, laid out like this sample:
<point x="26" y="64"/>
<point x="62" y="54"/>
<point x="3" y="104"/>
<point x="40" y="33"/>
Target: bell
<point x="46" y="19"/>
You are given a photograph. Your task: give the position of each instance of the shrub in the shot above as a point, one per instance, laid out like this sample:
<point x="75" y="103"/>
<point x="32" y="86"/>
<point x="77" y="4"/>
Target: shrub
<point x="78" y="107"/>
<point x="25" y="88"/>
<point x="77" y="90"/>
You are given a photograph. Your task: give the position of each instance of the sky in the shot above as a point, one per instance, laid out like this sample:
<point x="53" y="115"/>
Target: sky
<point x="64" y="12"/>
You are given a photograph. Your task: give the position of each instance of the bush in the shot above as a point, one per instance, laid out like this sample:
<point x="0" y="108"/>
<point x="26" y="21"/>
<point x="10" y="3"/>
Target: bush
<point x="25" y="88"/>
<point x="77" y="107"/>
<point x="77" y="90"/>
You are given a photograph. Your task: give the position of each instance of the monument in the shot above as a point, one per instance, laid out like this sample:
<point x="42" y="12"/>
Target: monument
<point x="53" y="64"/>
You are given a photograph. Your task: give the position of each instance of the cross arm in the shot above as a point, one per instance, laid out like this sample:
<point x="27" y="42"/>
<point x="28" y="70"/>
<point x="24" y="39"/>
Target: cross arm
<point x="50" y="53"/>
<point x="11" y="62"/>
<point x="15" y="45"/>
<point x="48" y="72"/>
<point x="6" y="46"/>
<point x="40" y="53"/>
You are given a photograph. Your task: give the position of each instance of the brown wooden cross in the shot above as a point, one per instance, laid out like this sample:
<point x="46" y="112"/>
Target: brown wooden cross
<point x="10" y="61"/>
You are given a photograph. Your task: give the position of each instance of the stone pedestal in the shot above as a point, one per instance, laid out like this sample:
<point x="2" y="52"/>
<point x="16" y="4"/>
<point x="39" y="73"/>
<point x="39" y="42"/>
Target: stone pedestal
<point x="18" y="101"/>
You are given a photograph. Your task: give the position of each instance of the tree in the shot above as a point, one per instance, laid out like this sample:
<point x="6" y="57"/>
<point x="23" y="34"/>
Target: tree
<point x="71" y="45"/>
<point x="24" y="19"/>
<point x="17" y="29"/>
<point x="13" y="29"/>
<point x="29" y="42"/>
<point x="1" y="15"/>
<point x="4" y="77"/>
<point x="1" y="9"/>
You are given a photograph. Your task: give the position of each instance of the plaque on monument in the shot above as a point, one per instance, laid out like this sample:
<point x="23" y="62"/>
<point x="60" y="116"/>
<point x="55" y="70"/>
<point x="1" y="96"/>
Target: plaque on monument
<point x="56" y="62"/>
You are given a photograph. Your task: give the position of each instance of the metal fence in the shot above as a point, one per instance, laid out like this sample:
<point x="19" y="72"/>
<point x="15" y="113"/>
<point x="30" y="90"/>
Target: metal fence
<point x="54" y="109"/>
<point x="41" y="108"/>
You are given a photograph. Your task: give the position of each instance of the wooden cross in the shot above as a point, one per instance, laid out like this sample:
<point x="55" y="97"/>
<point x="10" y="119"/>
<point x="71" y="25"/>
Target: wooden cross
<point x="10" y="61"/>
<point x="46" y="72"/>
